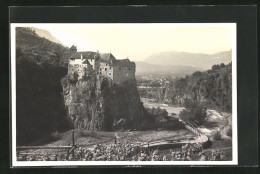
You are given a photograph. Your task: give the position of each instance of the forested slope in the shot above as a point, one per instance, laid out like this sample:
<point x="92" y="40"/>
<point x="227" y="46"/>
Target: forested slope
<point x="212" y="88"/>
<point x="39" y="103"/>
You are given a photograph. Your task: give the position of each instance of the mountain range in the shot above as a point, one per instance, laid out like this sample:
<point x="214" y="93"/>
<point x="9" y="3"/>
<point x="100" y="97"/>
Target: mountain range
<point x="173" y="62"/>
<point x="144" y="68"/>
<point x="196" y="60"/>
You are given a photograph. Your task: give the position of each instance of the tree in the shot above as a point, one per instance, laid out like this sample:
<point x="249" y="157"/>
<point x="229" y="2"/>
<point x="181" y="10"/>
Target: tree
<point x="74" y="77"/>
<point x="193" y="112"/>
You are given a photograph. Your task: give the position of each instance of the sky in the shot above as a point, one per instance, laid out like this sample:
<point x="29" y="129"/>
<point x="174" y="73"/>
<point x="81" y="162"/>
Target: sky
<point x="138" y="41"/>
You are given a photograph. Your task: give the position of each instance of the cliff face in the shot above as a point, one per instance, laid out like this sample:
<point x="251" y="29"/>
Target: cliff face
<point x="96" y="103"/>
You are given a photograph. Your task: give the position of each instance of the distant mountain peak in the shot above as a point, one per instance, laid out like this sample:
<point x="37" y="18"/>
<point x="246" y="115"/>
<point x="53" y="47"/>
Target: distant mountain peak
<point x="46" y="34"/>
<point x="199" y="60"/>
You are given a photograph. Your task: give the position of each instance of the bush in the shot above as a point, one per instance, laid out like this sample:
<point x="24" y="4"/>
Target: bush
<point x="159" y="116"/>
<point x="217" y="136"/>
<point x="74" y="77"/>
<point x="193" y="112"/>
<point x="229" y="132"/>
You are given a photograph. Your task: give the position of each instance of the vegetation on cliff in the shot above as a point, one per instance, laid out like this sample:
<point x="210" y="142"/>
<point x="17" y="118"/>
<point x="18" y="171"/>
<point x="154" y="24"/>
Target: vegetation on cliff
<point x="212" y="88"/>
<point x="96" y="103"/>
<point x="39" y="49"/>
<point x="39" y="104"/>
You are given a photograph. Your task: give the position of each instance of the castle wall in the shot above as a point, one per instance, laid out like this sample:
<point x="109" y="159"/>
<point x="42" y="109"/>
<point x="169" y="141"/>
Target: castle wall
<point x="83" y="69"/>
<point x="121" y="74"/>
<point x="117" y="73"/>
<point x="75" y="61"/>
<point x="95" y="64"/>
<point x="106" y="70"/>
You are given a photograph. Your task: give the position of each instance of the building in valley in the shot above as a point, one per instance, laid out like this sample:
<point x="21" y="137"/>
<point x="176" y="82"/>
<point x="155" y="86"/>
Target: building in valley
<point x="104" y="64"/>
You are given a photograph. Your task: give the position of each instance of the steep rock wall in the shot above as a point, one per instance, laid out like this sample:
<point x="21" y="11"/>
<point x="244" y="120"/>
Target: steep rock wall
<point x="96" y="103"/>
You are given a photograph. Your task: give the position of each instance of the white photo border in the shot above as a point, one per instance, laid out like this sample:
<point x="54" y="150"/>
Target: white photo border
<point x="234" y="161"/>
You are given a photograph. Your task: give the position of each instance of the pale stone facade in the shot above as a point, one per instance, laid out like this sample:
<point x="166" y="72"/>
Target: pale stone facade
<point x="89" y="63"/>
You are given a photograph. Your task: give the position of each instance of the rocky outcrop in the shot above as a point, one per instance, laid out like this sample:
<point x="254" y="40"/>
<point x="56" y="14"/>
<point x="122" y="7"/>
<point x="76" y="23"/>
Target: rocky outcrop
<point x="97" y="103"/>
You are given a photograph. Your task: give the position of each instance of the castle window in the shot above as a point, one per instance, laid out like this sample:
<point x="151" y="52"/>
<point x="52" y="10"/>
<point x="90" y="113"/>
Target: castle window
<point x="105" y="69"/>
<point x="106" y="64"/>
<point x="129" y="69"/>
<point x="110" y="74"/>
<point x="100" y="69"/>
<point x="110" y="67"/>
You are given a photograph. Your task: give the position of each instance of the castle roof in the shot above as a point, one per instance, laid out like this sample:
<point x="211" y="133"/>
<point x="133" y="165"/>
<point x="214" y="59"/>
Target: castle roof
<point x="86" y="62"/>
<point x="124" y="62"/>
<point x="85" y="55"/>
<point x="107" y="57"/>
<point x="104" y="57"/>
<point x="73" y="47"/>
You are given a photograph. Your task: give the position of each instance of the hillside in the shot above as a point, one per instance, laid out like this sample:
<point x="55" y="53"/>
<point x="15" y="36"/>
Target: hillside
<point x="212" y="88"/>
<point x="39" y="50"/>
<point x="197" y="60"/>
<point x="143" y="68"/>
<point x="39" y="68"/>
<point x="46" y="34"/>
<point x="43" y="108"/>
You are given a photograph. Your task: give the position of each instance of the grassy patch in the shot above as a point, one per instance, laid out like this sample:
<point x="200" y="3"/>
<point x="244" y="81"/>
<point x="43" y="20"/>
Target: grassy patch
<point x="86" y="133"/>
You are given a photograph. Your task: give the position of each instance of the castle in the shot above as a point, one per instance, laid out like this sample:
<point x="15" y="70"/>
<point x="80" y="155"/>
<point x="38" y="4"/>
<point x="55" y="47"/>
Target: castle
<point x="105" y="64"/>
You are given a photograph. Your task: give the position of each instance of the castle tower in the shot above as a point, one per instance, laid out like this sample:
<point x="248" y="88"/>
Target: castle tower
<point x="96" y="66"/>
<point x="73" y="48"/>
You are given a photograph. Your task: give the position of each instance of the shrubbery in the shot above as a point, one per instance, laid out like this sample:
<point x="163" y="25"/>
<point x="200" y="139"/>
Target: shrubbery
<point x="193" y="112"/>
<point x="217" y="136"/>
<point x="160" y="116"/>
<point x="161" y="119"/>
<point x="74" y="77"/>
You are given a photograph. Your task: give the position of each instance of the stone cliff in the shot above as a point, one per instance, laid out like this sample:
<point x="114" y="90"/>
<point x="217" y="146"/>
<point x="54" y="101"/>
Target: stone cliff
<point x="97" y="103"/>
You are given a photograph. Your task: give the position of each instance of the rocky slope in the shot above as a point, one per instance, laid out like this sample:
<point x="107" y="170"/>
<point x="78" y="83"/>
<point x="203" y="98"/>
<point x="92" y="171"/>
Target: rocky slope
<point x="96" y="103"/>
